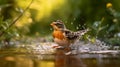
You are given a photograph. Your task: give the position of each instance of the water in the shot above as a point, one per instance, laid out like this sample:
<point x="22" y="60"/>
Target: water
<point x="13" y="58"/>
<point x="43" y="55"/>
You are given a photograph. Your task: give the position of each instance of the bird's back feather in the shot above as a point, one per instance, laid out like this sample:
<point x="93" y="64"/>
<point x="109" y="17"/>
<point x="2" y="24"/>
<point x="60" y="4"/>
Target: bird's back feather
<point x="74" y="35"/>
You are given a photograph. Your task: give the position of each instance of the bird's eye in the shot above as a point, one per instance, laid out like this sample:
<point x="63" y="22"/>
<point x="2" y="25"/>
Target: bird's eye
<point x="59" y="25"/>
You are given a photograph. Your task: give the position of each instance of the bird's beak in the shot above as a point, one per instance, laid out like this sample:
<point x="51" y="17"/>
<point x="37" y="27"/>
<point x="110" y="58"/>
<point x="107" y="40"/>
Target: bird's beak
<point x="52" y="24"/>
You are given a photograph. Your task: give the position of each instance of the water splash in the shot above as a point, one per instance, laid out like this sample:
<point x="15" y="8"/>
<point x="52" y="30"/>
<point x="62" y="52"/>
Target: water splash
<point x="96" y="47"/>
<point x="37" y="47"/>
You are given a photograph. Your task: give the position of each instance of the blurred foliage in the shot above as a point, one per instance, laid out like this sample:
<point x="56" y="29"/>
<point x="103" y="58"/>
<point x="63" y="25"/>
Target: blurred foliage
<point x="102" y="17"/>
<point x="7" y="34"/>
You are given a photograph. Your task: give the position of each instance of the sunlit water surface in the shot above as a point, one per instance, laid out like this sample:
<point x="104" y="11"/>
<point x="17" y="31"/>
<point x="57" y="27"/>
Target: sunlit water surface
<point x="43" y="55"/>
<point x="11" y="58"/>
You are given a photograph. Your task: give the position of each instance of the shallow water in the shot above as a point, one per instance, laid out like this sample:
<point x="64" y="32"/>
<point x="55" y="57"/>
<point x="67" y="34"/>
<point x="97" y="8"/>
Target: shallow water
<point x="11" y="58"/>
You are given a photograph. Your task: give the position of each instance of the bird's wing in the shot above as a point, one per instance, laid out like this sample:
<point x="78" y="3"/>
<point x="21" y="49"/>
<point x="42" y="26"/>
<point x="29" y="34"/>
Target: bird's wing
<point x="81" y="32"/>
<point x="70" y="34"/>
<point x="74" y="35"/>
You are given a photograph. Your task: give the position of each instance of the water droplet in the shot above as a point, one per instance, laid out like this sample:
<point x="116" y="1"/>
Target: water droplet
<point x="115" y="20"/>
<point x="50" y="28"/>
<point x="77" y="27"/>
<point x="83" y="27"/>
<point x="84" y="24"/>
<point x="74" y="19"/>
<point x="71" y="23"/>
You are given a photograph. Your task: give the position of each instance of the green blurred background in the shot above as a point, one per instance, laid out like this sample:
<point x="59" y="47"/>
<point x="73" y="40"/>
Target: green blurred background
<point x="104" y="22"/>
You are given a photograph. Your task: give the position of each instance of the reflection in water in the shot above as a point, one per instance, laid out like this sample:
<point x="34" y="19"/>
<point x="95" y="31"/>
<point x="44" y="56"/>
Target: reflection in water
<point x="15" y="61"/>
<point x="86" y="60"/>
<point x="62" y="60"/>
<point x="58" y="60"/>
<point x="25" y="61"/>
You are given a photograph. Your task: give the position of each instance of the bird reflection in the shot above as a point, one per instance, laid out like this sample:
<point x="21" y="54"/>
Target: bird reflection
<point x="62" y="60"/>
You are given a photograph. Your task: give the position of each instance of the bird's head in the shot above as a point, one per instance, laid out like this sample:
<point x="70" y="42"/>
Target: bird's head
<point x="58" y="25"/>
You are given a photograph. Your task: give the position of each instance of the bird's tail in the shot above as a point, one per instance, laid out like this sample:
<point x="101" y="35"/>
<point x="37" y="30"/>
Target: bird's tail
<point x="82" y="32"/>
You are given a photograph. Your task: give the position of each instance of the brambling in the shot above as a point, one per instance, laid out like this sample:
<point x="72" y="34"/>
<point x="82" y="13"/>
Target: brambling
<point x="64" y="37"/>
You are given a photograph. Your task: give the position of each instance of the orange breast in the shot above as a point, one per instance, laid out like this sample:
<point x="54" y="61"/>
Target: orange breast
<point x="58" y="34"/>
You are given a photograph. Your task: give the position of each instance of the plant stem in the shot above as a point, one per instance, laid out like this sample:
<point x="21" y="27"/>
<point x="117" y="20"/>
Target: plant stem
<point x="14" y="21"/>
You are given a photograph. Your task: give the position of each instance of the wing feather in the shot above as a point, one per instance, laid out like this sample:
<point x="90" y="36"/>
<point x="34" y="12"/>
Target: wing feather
<point x="74" y="35"/>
